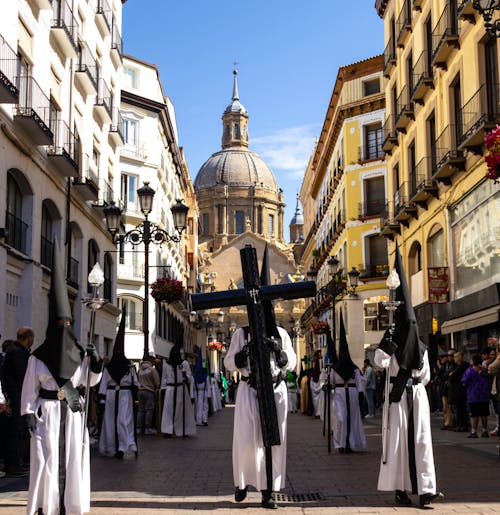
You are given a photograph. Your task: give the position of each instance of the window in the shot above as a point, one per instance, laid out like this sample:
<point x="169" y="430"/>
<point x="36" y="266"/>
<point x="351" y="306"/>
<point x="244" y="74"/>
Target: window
<point x="228" y="131"/>
<point x="93" y="258"/>
<point x="16" y="229"/>
<point x="133" y="313"/>
<point x="259" y="220"/>
<point x="239" y="221"/>
<point x="220" y="219"/>
<point x="205" y="228"/>
<point x="270" y="225"/>
<point x="491" y="76"/>
<point x="415" y="258"/>
<point x="375" y="315"/>
<point x="374" y="196"/>
<point x="456" y="94"/>
<point x="436" y="249"/>
<point x="131" y="132"/>
<point x="47" y="238"/>
<point x="373" y="141"/>
<point x="130" y="77"/>
<point x="431" y="132"/>
<point x="108" y="276"/>
<point x="370" y="87"/>
<point x="409" y="72"/>
<point x="377" y="263"/>
<point x="129" y="191"/>
<point x="412" y="169"/>
<point x="236" y="131"/>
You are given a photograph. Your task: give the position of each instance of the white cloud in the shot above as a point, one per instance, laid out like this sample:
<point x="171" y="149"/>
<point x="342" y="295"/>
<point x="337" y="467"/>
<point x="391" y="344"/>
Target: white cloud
<point x="287" y="151"/>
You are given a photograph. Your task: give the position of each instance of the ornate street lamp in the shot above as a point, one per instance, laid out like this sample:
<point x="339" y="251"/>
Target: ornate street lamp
<point x="146" y="232"/>
<point x="487" y="8"/>
<point x="353" y="280"/>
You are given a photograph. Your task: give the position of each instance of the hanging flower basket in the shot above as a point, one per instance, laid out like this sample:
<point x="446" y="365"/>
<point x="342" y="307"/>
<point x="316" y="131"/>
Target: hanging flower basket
<point x="320" y="327"/>
<point x="215" y="346"/>
<point x="492" y="158"/>
<point x="167" y="290"/>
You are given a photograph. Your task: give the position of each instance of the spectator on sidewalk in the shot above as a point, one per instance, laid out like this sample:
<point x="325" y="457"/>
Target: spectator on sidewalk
<point x="371" y="384"/>
<point x="448" y="366"/>
<point x="494" y="371"/>
<point x="477" y="382"/>
<point x="457" y="394"/>
<point x="149" y="382"/>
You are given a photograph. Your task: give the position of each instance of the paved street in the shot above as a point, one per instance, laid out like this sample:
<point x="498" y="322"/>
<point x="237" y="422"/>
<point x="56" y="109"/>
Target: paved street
<point x="179" y="476"/>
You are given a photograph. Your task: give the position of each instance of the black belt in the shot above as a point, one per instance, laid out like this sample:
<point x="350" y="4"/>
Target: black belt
<point x="56" y="395"/>
<point x="118" y="387"/>
<point x="174" y="384"/>
<point x="342" y="385"/>
<point x="276" y="381"/>
<point x="412" y="381"/>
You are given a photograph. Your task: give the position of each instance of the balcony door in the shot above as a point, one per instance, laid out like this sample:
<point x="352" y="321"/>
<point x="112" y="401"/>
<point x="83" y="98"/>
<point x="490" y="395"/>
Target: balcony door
<point x="491" y="69"/>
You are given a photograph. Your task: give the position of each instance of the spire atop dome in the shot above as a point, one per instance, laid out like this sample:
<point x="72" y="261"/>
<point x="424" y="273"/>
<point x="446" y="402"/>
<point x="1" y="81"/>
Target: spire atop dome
<point x="235" y="120"/>
<point x="235" y="85"/>
<point x="297" y="217"/>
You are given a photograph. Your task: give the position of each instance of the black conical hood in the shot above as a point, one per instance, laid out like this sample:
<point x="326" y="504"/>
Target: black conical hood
<point x="174" y="358"/>
<point x="316" y="371"/>
<point x="331" y="351"/>
<point x="410" y="348"/>
<point x="344" y="367"/>
<point x="119" y="364"/>
<point x="60" y="350"/>
<point x="267" y="305"/>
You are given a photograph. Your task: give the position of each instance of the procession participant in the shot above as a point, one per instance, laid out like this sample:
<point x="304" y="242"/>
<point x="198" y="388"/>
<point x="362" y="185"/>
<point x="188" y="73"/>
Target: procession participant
<point x="291" y="386"/>
<point x="178" y="413"/>
<point x="149" y="382"/>
<point x="250" y="456"/>
<point x="348" y="381"/>
<point x="118" y="389"/>
<point x="203" y="391"/>
<point x="409" y="465"/>
<point x="51" y="402"/>
<point x="316" y="385"/>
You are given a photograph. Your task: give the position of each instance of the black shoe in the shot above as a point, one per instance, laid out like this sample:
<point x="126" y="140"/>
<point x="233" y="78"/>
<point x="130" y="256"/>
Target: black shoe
<point x="240" y="494"/>
<point x="268" y="501"/>
<point x="401" y="498"/>
<point x="119" y="455"/>
<point x="426" y="499"/>
<point x="341" y="450"/>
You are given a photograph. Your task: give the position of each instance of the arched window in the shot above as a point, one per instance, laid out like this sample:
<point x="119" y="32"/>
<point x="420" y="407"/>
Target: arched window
<point x="236" y="130"/>
<point x="435" y="246"/>
<point x="16" y="228"/>
<point x="92" y="259"/>
<point x="47" y="237"/>
<point x="108" y="277"/>
<point x="239" y="222"/>
<point x="415" y="258"/>
<point x="133" y="313"/>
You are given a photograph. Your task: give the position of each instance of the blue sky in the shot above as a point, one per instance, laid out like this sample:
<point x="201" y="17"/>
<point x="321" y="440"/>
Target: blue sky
<point x="288" y="54"/>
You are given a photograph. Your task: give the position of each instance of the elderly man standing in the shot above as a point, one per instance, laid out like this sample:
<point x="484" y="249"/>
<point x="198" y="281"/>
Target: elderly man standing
<point x="14" y="369"/>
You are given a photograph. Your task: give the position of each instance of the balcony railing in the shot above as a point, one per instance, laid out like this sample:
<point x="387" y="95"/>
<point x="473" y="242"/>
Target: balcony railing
<point x="16" y="232"/>
<point x="445" y="37"/>
<point x="466" y="11"/>
<point x="116" y="43"/>
<point x="373" y="150"/>
<point x="371" y="270"/>
<point x="388" y="224"/>
<point x="422" y="186"/>
<point x="134" y="148"/>
<point x="32" y="112"/>
<point x="64" y="28"/>
<point x="46" y="248"/>
<point x="117" y="128"/>
<point x="373" y="207"/>
<point x="87" y="183"/>
<point x="9" y="94"/>
<point x="404" y="209"/>
<point x="104" y="101"/>
<point x="65" y="150"/>
<point x="104" y="16"/>
<point x="479" y="115"/>
<point x="389" y="56"/>
<point x="405" y="110"/>
<point x="73" y="271"/>
<point x="86" y="70"/>
<point x="422" y="78"/>
<point x="449" y="159"/>
<point x="403" y="23"/>
<point x="106" y="194"/>
<point x="390" y="136"/>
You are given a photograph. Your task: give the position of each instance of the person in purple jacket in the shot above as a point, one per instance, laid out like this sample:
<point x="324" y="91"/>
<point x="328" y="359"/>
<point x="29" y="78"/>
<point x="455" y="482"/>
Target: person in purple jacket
<point x="478" y="385"/>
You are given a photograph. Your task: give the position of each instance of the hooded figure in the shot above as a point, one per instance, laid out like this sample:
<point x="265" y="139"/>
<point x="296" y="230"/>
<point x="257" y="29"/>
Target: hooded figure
<point x="203" y="391"/>
<point x="178" y="412"/>
<point x="409" y="465"/>
<point x="348" y="382"/>
<point x="251" y="459"/>
<point x="316" y="385"/>
<point x="118" y="392"/>
<point x="56" y="373"/>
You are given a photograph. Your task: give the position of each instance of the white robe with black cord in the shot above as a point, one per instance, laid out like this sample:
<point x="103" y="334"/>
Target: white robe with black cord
<point x="124" y="422"/>
<point x="395" y="474"/>
<point x="44" y="459"/>
<point x="249" y="455"/>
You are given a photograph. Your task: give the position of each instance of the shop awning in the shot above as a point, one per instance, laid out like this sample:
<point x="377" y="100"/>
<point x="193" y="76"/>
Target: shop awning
<point x="479" y="318"/>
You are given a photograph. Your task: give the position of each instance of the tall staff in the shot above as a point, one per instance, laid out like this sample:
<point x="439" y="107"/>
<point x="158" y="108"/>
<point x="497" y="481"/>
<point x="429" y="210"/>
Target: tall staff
<point x="391" y="305"/>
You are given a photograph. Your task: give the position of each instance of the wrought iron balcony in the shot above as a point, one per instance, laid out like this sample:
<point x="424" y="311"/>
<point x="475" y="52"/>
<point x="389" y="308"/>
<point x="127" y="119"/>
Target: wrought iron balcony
<point x="444" y="38"/>
<point x="389" y="226"/>
<point x="373" y="207"/>
<point x="390" y="58"/>
<point x="104" y="102"/>
<point x="479" y="115"/>
<point x="466" y="11"/>
<point x="390" y="136"/>
<point x="32" y="113"/>
<point x="73" y="272"/>
<point x="9" y="94"/>
<point x="116" y="129"/>
<point x="64" y="29"/>
<point x="103" y="17"/>
<point x="87" y="183"/>
<point x="405" y="110"/>
<point x="449" y="159"/>
<point x="372" y="151"/>
<point x="106" y="194"/>
<point x="64" y="152"/>
<point x="404" y="209"/>
<point x="16" y="232"/>
<point x="46" y="250"/>
<point x="86" y="71"/>
<point x="116" y="45"/>
<point x="423" y="80"/>
<point x="403" y="24"/>
<point x="373" y="271"/>
<point x="422" y="187"/>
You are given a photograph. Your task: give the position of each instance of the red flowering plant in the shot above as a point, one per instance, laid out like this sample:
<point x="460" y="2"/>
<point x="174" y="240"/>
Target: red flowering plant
<point x="215" y="345"/>
<point x="166" y="290"/>
<point x="320" y="327"/>
<point x="492" y="158"/>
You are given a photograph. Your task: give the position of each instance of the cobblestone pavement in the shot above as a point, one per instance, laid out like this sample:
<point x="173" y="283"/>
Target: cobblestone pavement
<point x="194" y="474"/>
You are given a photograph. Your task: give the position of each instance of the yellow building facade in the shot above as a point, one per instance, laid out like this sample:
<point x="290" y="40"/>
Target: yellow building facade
<point x="441" y="86"/>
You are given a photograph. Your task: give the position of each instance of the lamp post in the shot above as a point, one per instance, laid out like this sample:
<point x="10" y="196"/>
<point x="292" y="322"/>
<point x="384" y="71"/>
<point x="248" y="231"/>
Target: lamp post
<point x="146" y="232"/>
<point x="487" y="8"/>
<point x="206" y="322"/>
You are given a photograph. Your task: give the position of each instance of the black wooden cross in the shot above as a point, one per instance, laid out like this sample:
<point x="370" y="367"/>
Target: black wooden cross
<point x="251" y="296"/>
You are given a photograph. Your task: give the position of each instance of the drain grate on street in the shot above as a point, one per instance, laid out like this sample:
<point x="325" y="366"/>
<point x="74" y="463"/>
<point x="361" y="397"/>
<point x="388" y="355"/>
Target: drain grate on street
<point x="310" y="497"/>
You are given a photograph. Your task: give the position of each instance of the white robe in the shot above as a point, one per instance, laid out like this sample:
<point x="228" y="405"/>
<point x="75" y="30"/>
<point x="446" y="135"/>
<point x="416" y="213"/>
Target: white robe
<point x="316" y="392"/>
<point x="395" y="475"/>
<point x="322" y="379"/>
<point x="216" y="395"/>
<point x="292" y="396"/>
<point x="357" y="438"/>
<point x="125" y="419"/>
<point x="44" y="464"/>
<point x="249" y="462"/>
<point x="202" y="391"/>
<point x="184" y="412"/>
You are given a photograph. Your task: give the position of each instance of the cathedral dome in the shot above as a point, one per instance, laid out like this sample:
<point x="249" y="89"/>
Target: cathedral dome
<point x="235" y="167"/>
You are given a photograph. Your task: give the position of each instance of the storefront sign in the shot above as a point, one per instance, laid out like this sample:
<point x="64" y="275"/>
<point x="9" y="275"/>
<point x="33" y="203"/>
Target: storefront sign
<point x="437" y="277"/>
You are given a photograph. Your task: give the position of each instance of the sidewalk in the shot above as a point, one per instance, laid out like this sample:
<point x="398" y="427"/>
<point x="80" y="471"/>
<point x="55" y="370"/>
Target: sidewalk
<point x="182" y="475"/>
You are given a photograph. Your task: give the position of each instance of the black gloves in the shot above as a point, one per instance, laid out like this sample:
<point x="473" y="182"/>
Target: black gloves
<point x="72" y="396"/>
<point x="30" y="422"/>
<point x="241" y="358"/>
<point x="281" y="359"/>
<point x="274" y="345"/>
<point x="387" y="344"/>
<point x="95" y="359"/>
